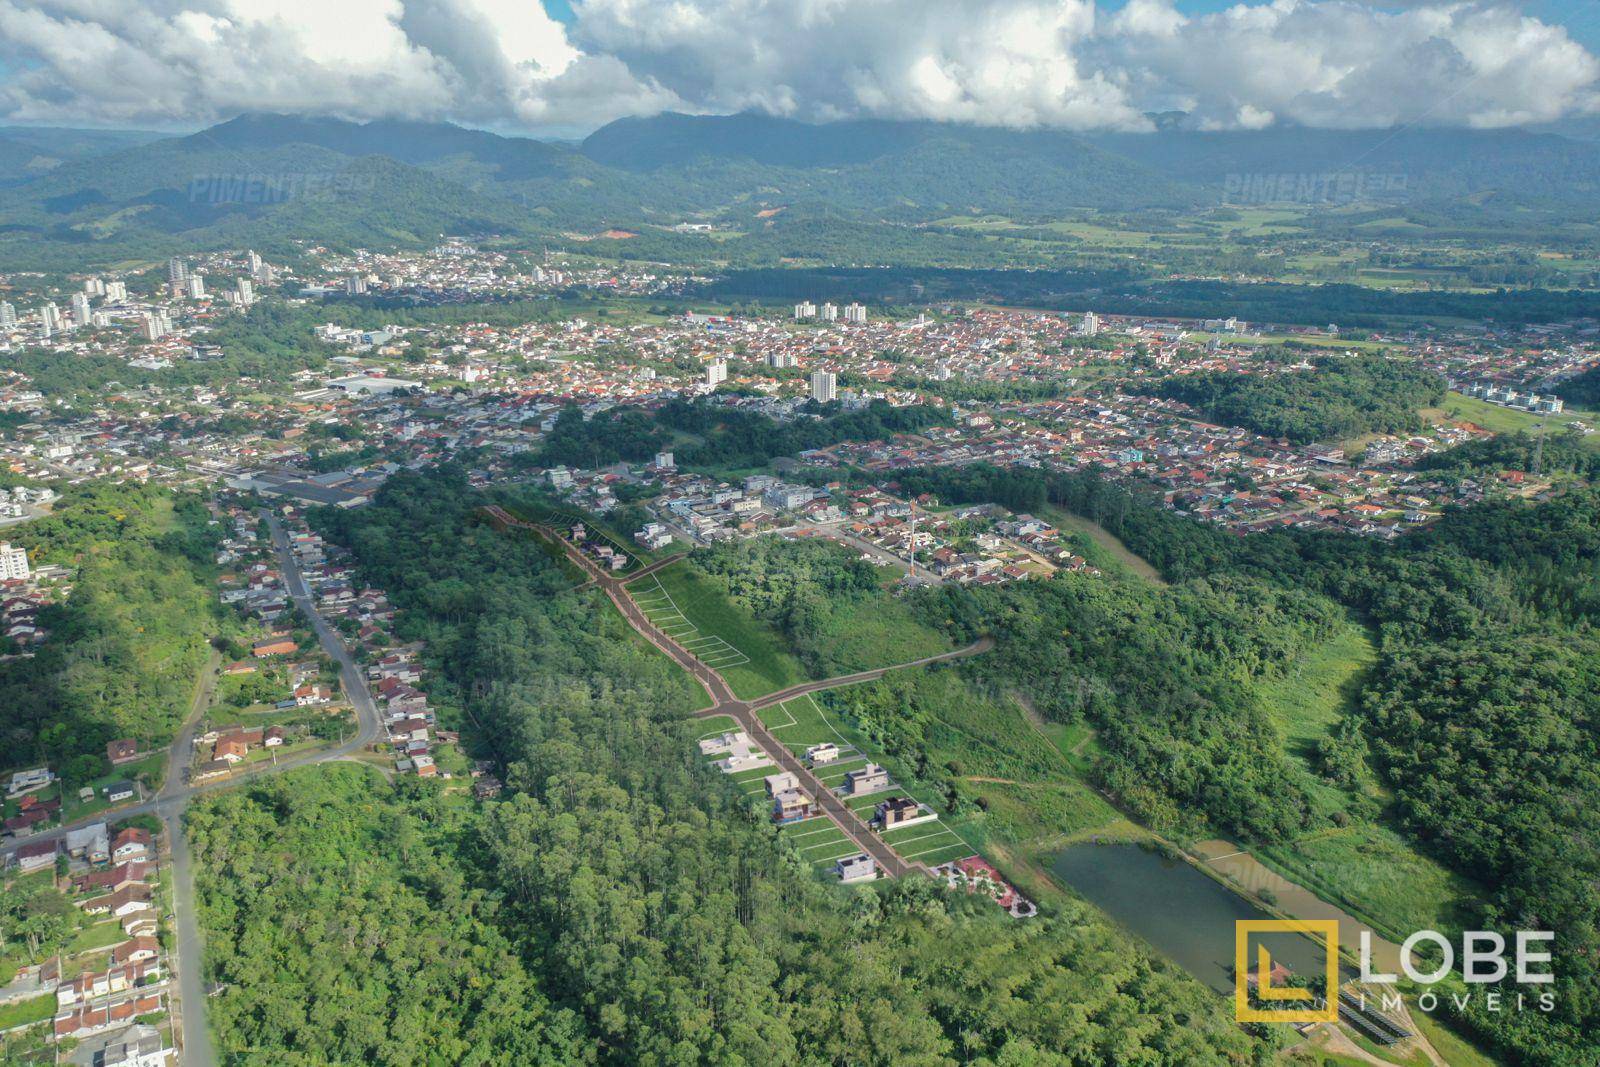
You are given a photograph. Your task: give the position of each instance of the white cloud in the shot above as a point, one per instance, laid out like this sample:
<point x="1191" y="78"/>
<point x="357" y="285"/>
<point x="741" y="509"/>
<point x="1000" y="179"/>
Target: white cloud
<point x="1012" y="62"/>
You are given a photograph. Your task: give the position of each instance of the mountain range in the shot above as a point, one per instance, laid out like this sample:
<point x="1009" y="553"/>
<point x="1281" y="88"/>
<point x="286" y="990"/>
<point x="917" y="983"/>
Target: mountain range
<point x="72" y="197"/>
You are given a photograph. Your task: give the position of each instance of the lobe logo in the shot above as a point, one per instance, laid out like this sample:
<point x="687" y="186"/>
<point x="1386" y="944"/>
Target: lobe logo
<point x="1257" y="986"/>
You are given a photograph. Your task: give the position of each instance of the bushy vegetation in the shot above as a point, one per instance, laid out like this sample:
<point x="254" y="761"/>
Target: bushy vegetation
<point x="1479" y="713"/>
<point x="830" y="605"/>
<point x="1340" y="397"/>
<point x="125" y="646"/>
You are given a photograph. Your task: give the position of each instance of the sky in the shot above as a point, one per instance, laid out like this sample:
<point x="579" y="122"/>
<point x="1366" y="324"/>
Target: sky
<point x="571" y="65"/>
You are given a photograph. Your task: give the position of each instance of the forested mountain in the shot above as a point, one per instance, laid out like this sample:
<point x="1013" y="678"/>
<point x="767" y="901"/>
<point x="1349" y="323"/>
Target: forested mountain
<point x="829" y="185"/>
<point x="1511" y="165"/>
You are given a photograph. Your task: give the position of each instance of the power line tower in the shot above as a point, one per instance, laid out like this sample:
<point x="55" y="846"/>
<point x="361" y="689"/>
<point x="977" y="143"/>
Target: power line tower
<point x="1538" y="446"/>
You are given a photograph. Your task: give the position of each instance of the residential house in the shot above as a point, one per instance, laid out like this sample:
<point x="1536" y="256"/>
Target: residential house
<point x="120" y="791"/>
<point x="868" y="779"/>
<point x="900" y="811"/>
<point x="122" y="751"/>
<point x="35" y="856"/>
<point x="131" y="843"/>
<point x="858" y="868"/>
<point x="826" y="752"/>
<point x="121" y="903"/>
<point x="790" y="805"/>
<point x="92" y="843"/>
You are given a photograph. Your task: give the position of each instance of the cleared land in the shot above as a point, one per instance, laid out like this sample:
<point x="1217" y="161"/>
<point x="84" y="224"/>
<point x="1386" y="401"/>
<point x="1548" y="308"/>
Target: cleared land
<point x="747" y="652"/>
<point x="1110" y="553"/>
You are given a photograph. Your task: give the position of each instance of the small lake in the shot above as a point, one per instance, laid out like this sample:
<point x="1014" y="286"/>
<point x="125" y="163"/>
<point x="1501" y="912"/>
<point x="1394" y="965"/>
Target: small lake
<point x="1185" y="915"/>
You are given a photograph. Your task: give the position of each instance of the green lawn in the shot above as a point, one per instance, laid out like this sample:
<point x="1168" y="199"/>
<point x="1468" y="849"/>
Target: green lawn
<point x="99" y="935"/>
<point x="27" y="1012"/>
<point x="800" y="723"/>
<point x="747" y="652"/>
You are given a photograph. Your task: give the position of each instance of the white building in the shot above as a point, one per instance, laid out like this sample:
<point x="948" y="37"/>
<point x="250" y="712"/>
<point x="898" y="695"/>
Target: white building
<point x="197" y="286"/>
<point x="1090" y="324"/>
<point x="80" y="310"/>
<point x="780" y="360"/>
<point x="823" y="386"/>
<point x="830" y="313"/>
<point x="116" y="292"/>
<point x="13" y="561"/>
<point x="247" y="292"/>
<point x="665" y="461"/>
<point x="805" y="310"/>
<point x="8" y="314"/>
<point x="855" y="313"/>
<point x="50" y="318"/>
<point x="177" y="270"/>
<point x="716" y="372"/>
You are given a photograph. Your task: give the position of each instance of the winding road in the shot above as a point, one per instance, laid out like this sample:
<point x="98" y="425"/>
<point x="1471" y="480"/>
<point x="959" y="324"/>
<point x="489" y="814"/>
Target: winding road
<point x="744" y="712"/>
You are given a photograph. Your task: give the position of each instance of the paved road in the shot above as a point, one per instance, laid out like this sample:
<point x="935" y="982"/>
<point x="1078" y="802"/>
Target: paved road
<point x="744" y="712"/>
<point x="169" y="804"/>
<point x="178" y="789"/>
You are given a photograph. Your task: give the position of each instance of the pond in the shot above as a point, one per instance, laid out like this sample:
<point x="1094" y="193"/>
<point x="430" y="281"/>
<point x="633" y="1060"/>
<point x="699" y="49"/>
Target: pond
<point x="1185" y="915"/>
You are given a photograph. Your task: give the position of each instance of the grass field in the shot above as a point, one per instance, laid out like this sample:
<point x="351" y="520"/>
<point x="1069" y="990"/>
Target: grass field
<point x="1376" y="874"/>
<point x="1364" y="867"/>
<point x="747" y="652"/>
<point x="1455" y="1049"/>
<point x="1498" y="419"/>
<point x="27" y="1012"/>
<point x="1309" y="698"/>
<point x="818" y="841"/>
<point x="98" y="935"/>
<point x="1106" y="550"/>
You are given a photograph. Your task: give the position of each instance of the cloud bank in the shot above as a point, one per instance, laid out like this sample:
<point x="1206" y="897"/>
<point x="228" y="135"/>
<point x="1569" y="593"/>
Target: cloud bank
<point x="1059" y="63"/>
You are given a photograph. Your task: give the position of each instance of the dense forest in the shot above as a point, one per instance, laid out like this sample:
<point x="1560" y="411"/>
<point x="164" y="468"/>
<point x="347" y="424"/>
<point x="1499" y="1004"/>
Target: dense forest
<point x="1562" y="452"/>
<point x="631" y="903"/>
<point x="1340" y="397"/>
<point x="1481" y="714"/>
<point x="1582" y="389"/>
<point x="126" y="645"/>
<point x="715" y="436"/>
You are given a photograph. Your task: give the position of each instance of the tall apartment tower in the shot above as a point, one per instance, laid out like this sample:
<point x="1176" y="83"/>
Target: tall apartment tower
<point x="8" y="314"/>
<point x="177" y="270"/>
<point x="247" y="292"/>
<point x="13" y="561"/>
<point x="823" y="385"/>
<point x="80" y="310"/>
<point x="855" y="313"/>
